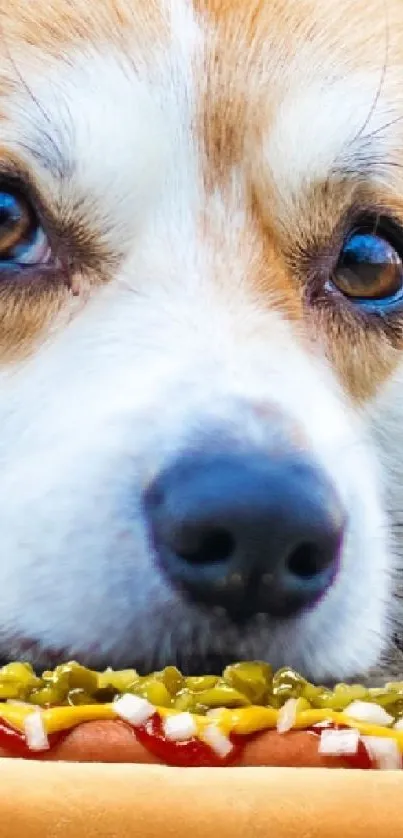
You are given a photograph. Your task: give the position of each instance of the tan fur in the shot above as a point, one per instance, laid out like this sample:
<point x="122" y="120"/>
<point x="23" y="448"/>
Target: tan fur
<point x="25" y="312"/>
<point x="56" y="25"/>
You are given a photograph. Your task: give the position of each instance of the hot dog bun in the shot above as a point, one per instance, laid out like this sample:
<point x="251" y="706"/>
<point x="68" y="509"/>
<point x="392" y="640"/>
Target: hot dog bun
<point x="62" y="800"/>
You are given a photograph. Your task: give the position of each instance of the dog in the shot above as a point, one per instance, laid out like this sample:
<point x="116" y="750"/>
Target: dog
<point x="201" y="333"/>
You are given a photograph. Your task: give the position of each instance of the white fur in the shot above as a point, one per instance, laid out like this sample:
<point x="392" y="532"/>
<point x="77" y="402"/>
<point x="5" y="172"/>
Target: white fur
<point x="160" y="357"/>
<point x="322" y="127"/>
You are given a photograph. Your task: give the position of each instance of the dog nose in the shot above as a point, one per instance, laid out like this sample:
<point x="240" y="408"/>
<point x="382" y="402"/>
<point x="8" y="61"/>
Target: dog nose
<point x="245" y="532"/>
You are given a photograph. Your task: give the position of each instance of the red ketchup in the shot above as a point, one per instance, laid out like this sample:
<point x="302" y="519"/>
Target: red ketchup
<point x="14" y="741"/>
<point x="193" y="753"/>
<point x="361" y="759"/>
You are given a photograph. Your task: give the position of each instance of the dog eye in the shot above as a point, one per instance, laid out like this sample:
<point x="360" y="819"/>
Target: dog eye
<point x="369" y="270"/>
<point x="22" y="239"/>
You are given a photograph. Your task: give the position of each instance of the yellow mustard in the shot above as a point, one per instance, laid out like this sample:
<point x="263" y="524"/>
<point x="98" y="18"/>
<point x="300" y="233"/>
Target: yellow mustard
<point x="241" y="721"/>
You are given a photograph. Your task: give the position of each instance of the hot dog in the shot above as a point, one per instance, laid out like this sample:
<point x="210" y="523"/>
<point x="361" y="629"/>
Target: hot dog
<point x="111" y="742"/>
<point x="248" y="716"/>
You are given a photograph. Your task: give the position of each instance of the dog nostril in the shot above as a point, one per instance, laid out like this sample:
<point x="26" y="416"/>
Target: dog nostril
<point x="306" y="561"/>
<point x="213" y="547"/>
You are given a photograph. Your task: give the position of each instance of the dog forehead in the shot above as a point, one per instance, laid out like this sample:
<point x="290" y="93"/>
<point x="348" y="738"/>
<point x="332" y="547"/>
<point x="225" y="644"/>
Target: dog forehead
<point x="240" y="51"/>
<point x="248" y="35"/>
<point x="224" y="70"/>
<point x="60" y="22"/>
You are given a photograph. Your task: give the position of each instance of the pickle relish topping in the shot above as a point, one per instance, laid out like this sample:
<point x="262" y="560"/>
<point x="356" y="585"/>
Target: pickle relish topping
<point x="240" y="685"/>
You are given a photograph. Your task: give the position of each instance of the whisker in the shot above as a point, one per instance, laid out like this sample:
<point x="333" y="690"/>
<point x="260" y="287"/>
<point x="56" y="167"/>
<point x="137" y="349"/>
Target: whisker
<point x="360" y="133"/>
<point x="38" y="105"/>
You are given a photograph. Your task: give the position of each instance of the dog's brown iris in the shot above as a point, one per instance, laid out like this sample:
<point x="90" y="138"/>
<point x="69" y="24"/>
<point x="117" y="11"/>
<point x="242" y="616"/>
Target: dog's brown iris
<point x="370" y="268"/>
<point x="19" y="229"/>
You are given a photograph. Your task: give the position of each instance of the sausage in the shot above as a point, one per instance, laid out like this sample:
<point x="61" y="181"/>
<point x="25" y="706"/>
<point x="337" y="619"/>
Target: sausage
<point x="115" y="742"/>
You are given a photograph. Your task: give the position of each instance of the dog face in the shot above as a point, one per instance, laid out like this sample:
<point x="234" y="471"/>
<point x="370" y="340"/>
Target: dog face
<point x="183" y="177"/>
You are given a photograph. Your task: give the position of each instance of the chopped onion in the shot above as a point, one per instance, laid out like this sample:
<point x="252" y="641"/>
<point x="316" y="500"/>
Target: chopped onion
<point x="339" y="742"/>
<point x="133" y="709"/>
<point x="214" y="713"/>
<point x="180" y="727"/>
<point x="287" y="716"/>
<point x="35" y="732"/>
<point x="217" y="740"/>
<point x="365" y="711"/>
<point x="384" y="751"/>
<point x="398" y="725"/>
